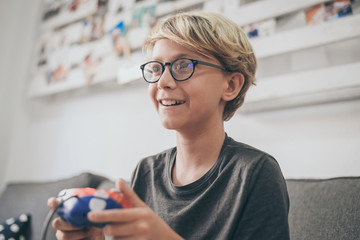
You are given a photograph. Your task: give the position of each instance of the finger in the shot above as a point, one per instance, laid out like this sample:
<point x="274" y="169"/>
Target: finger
<point x="95" y="231"/>
<point x="113" y="215"/>
<point x="60" y="224"/>
<point x="74" y="235"/>
<point x="129" y="194"/>
<point x="119" y="230"/>
<point x="124" y="238"/>
<point x="51" y="202"/>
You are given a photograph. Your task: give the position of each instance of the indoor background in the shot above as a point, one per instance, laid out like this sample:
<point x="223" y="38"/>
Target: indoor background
<point x="305" y="109"/>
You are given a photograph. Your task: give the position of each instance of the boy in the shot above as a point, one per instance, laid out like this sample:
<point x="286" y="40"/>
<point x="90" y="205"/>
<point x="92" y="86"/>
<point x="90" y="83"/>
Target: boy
<point x="208" y="186"/>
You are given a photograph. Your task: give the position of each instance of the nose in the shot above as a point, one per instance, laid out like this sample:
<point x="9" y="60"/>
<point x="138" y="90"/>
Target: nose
<point x="166" y="80"/>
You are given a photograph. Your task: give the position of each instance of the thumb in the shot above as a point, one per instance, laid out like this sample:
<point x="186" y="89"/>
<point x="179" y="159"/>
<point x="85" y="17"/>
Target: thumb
<point x="51" y="202"/>
<point x="129" y="194"/>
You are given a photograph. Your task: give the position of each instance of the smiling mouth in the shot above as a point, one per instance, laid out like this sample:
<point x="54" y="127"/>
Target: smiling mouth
<point x="171" y="102"/>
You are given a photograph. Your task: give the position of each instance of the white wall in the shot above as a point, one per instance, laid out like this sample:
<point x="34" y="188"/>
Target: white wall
<point x="317" y="142"/>
<point x="18" y="21"/>
<point x="107" y="131"/>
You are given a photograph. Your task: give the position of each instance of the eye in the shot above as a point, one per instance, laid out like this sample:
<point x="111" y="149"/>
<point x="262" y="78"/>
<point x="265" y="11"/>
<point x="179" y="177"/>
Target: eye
<point x="156" y="68"/>
<point x="183" y="67"/>
<point x="184" y="64"/>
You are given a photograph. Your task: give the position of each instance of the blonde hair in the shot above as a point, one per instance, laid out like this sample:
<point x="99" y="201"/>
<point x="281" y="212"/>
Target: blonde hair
<point x="211" y="35"/>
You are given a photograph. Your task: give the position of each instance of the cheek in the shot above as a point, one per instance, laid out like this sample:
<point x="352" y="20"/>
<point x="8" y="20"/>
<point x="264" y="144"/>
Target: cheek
<point x="152" y="93"/>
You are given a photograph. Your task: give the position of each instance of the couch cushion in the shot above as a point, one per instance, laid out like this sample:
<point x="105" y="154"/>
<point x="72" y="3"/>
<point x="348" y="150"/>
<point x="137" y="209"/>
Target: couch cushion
<point x="32" y="197"/>
<point x="324" y="209"/>
<point x="107" y="184"/>
<point x="16" y="228"/>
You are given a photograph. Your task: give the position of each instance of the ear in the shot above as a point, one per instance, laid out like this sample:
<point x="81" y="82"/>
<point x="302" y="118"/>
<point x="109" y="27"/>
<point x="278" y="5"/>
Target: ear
<point x="234" y="83"/>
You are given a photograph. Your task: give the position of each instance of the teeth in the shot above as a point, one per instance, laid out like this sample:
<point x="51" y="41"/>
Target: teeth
<point x="171" y="102"/>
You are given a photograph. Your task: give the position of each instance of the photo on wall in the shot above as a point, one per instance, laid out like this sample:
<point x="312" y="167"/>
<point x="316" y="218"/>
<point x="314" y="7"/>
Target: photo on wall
<point x="328" y="11"/>
<point x="71" y="47"/>
<point x="88" y="42"/>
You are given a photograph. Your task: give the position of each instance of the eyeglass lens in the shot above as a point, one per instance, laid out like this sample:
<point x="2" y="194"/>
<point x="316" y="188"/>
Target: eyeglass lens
<point x="180" y="69"/>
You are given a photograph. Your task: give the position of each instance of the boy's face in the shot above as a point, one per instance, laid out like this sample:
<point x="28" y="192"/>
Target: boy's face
<point x="192" y="105"/>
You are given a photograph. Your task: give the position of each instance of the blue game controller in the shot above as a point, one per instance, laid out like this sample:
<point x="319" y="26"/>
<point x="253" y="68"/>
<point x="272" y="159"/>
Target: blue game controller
<point x="75" y="203"/>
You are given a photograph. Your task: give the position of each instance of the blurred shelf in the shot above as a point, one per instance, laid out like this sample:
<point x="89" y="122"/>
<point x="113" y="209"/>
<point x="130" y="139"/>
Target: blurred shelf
<point x="262" y="10"/>
<point x="329" y="84"/>
<point x="307" y="37"/>
<point x="165" y="8"/>
<point x="67" y="17"/>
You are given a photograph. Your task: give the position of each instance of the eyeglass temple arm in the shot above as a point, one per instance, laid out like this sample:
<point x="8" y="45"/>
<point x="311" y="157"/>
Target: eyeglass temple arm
<point x="211" y="65"/>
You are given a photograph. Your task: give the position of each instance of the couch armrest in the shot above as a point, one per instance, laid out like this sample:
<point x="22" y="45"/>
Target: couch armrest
<point x="324" y="209"/>
<point x="31" y="197"/>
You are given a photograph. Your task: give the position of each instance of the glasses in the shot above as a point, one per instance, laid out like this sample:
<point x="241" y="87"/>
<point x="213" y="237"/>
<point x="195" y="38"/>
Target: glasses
<point x="181" y="69"/>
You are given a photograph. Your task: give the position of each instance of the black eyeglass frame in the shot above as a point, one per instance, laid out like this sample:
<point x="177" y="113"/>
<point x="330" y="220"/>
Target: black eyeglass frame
<point x="163" y="65"/>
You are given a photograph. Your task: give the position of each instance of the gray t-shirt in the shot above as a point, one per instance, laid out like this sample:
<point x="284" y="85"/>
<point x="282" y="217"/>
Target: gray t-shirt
<point x="243" y="196"/>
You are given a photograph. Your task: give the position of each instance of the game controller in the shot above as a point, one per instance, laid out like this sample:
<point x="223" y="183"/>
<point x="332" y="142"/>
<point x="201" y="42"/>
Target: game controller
<point x="75" y="203"/>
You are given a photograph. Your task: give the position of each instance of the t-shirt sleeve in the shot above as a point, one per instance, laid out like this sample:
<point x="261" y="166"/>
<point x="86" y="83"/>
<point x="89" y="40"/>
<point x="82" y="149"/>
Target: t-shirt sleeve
<point x="265" y="214"/>
<point x="137" y="178"/>
<point x="141" y="180"/>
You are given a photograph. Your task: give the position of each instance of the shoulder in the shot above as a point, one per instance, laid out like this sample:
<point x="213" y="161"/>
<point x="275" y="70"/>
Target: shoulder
<point x="248" y="162"/>
<point x="154" y="163"/>
<point x="261" y="185"/>
<point x="149" y="170"/>
<point x="157" y="159"/>
<point x="245" y="154"/>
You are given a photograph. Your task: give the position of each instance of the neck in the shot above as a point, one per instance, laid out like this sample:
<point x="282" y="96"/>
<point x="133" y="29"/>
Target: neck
<point x="197" y="152"/>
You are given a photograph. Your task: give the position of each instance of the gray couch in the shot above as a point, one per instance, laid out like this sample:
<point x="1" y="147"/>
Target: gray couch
<point x="322" y="209"/>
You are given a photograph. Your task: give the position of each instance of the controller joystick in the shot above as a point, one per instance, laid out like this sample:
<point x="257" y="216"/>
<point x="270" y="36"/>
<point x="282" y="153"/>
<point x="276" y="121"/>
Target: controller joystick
<point x="75" y="203"/>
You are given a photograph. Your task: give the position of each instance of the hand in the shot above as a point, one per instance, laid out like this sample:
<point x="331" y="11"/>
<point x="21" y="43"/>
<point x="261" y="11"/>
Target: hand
<point x="65" y="230"/>
<point x="139" y="222"/>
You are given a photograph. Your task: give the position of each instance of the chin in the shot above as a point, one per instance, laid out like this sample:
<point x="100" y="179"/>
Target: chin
<point x="170" y="125"/>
